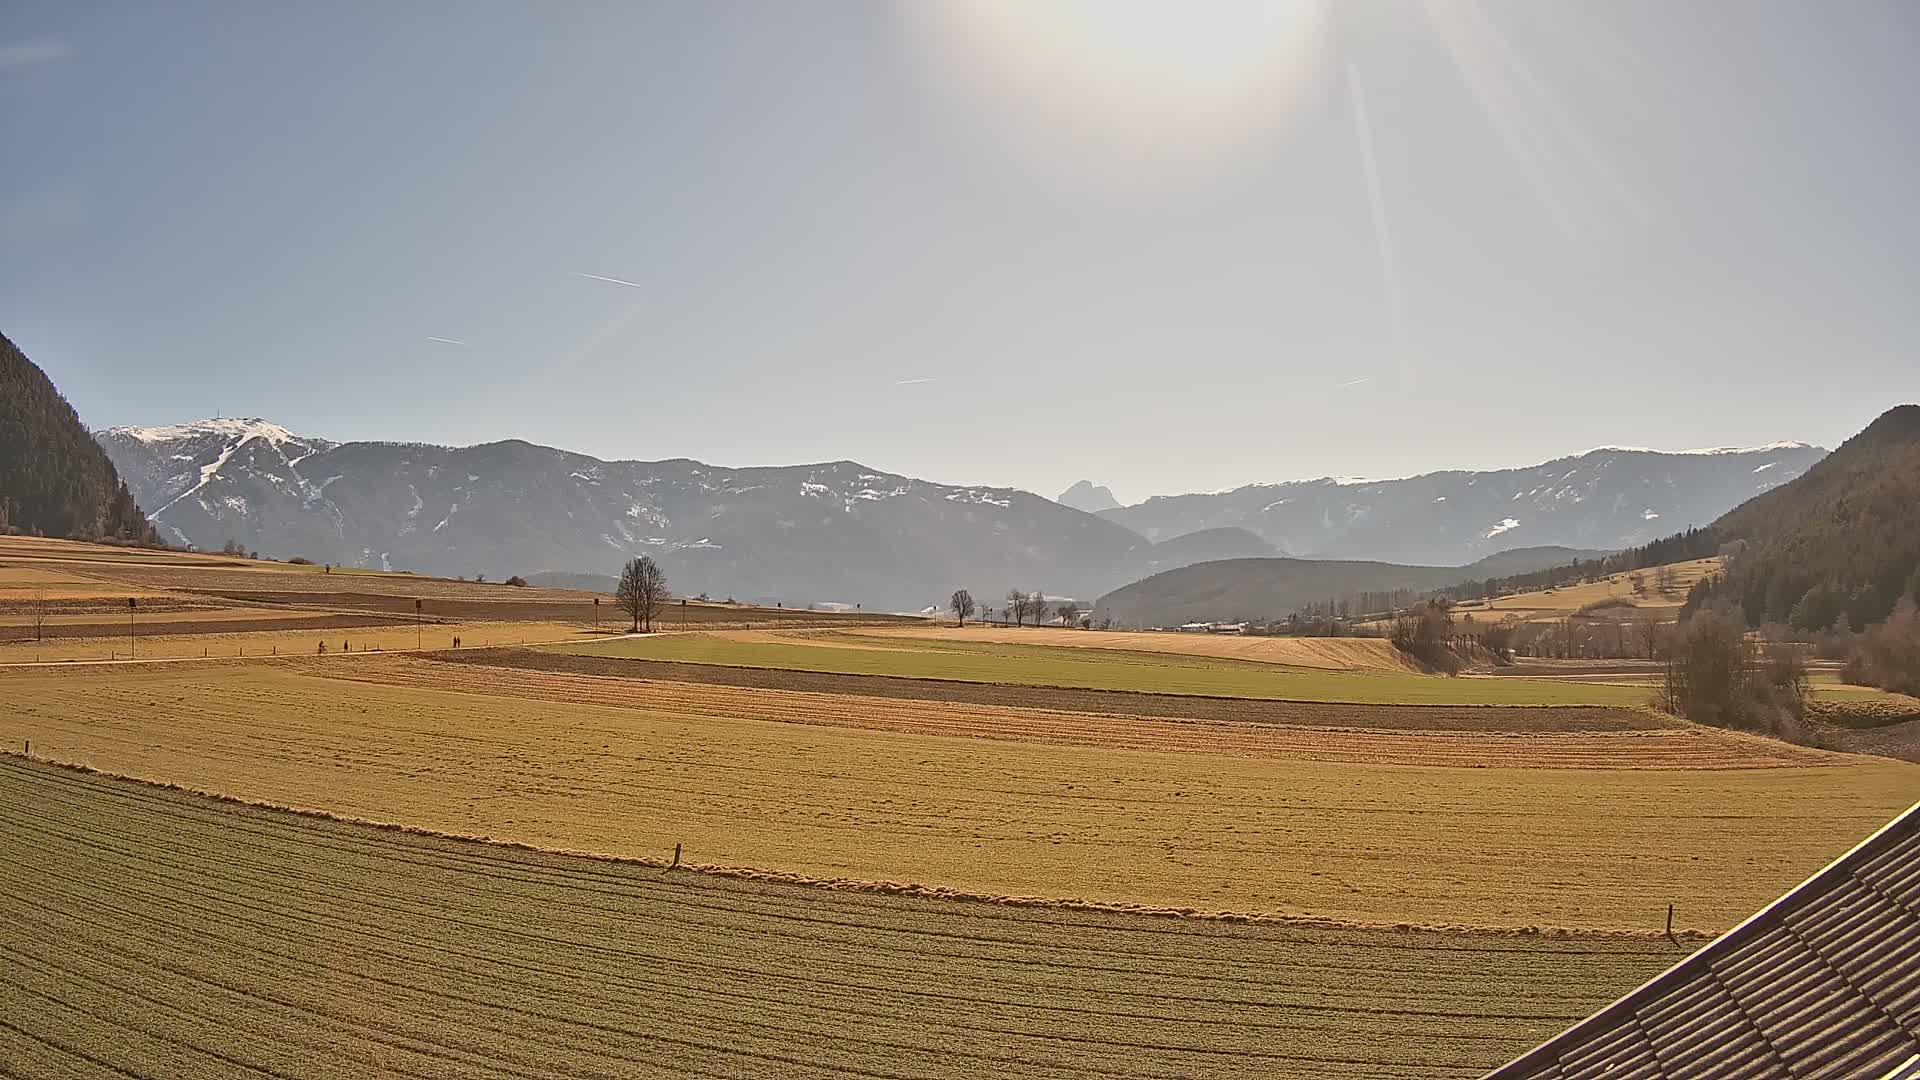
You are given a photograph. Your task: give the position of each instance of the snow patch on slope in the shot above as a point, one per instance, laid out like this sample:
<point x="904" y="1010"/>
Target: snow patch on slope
<point x="245" y="429"/>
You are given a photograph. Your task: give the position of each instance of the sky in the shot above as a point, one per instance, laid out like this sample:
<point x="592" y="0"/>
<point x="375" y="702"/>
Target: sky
<point x="1167" y="247"/>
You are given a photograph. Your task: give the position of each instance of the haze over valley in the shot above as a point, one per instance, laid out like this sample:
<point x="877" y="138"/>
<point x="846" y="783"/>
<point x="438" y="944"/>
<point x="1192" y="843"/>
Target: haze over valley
<point x="846" y="533"/>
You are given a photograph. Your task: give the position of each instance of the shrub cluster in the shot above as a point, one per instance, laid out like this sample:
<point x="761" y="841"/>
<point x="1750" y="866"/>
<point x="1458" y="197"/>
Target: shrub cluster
<point x="1719" y="676"/>
<point x="1887" y="655"/>
<point x="1425" y="633"/>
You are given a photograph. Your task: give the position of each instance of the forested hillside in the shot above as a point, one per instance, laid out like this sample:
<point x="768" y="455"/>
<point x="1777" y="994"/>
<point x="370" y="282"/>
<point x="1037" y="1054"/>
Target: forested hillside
<point x="1272" y="588"/>
<point x="1843" y="539"/>
<point x="54" y="479"/>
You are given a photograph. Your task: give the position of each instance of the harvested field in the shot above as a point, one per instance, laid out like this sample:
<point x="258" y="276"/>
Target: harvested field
<point x="1513" y="719"/>
<point x="174" y="623"/>
<point x="159" y="933"/>
<point x="264" y="639"/>
<point x="1871" y="708"/>
<point x="578" y="609"/>
<point x="22" y="584"/>
<point x="1673" y="746"/>
<point x="1899" y="740"/>
<point x="1874" y="722"/>
<point x="1333" y="654"/>
<point x="1095" y="669"/>
<point x="1501" y="846"/>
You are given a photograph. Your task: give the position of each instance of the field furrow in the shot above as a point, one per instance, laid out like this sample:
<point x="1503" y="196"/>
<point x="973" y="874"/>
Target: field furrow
<point x="160" y="933"/>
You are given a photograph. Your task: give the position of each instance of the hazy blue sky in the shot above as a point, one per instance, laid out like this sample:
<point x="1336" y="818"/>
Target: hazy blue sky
<point x="1256" y="242"/>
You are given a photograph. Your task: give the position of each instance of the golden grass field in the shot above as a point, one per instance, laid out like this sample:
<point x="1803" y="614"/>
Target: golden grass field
<point x="155" y="933"/>
<point x="1498" y="844"/>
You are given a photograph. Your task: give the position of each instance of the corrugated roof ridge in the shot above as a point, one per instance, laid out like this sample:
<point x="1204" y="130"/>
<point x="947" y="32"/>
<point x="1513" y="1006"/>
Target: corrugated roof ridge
<point x="1902" y="826"/>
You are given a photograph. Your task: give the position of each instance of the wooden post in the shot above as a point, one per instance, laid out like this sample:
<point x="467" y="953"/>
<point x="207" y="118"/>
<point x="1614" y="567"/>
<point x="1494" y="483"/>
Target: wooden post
<point x="1669" y="920"/>
<point x="676" y="856"/>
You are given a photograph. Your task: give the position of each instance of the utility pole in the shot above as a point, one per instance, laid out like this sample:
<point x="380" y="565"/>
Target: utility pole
<point x="130" y="627"/>
<point x="419" y="631"/>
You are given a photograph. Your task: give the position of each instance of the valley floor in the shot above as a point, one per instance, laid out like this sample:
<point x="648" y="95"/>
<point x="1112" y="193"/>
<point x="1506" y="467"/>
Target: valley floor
<point x="904" y="852"/>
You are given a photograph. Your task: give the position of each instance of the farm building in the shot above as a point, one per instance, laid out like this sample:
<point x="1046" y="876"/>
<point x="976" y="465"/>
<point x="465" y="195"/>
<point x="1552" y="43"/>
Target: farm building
<point x="1823" y="982"/>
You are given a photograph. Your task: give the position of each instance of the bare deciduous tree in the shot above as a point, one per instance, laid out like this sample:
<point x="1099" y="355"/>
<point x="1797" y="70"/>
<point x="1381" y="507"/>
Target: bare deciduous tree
<point x="962" y="605"/>
<point x="642" y="589"/>
<point x="1666" y="579"/>
<point x="38" y="608"/>
<point x="1647" y="626"/>
<point x="1017" y="604"/>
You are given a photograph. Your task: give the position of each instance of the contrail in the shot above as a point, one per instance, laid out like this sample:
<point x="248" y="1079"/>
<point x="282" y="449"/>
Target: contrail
<point x="446" y="341"/>
<point x="914" y="382"/>
<point x="1351" y="383"/>
<point x="1382" y="232"/>
<point x="33" y="52"/>
<point x="614" y="280"/>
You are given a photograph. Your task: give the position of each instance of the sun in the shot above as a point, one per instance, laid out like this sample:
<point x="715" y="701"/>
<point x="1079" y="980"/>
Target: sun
<point x="1126" y="91"/>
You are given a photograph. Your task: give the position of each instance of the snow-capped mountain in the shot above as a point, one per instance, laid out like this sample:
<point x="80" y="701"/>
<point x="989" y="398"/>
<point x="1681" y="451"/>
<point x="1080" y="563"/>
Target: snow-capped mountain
<point x="835" y="532"/>
<point x="843" y="532"/>
<point x="1611" y="497"/>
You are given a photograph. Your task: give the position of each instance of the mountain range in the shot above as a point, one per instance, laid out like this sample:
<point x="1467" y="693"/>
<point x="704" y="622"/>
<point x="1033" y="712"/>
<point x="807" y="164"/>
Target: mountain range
<point x="846" y="532"/>
<point x="800" y="534"/>
<point x="1606" y="498"/>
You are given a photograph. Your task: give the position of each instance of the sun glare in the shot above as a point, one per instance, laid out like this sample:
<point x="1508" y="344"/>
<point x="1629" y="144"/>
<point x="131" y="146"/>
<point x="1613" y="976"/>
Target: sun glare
<point x="1120" y="92"/>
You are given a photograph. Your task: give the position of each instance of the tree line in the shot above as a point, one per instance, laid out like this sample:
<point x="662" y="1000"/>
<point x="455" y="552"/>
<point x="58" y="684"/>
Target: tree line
<point x="1021" y="606"/>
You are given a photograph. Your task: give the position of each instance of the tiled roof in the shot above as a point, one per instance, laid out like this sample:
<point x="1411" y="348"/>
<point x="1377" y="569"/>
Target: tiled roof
<point x="1823" y="982"/>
